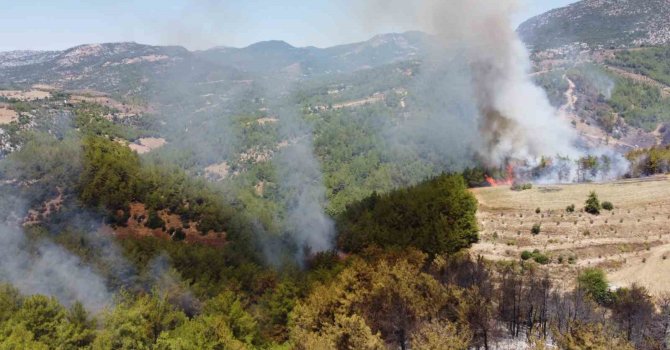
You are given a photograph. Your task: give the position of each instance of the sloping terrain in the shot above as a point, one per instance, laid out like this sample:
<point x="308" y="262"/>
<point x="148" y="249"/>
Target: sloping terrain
<point x="278" y="56"/>
<point x="600" y="24"/>
<point x="631" y="242"/>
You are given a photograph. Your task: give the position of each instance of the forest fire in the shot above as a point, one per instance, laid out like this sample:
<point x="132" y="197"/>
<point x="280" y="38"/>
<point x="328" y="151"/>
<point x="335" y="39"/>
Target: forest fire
<point x="507" y="181"/>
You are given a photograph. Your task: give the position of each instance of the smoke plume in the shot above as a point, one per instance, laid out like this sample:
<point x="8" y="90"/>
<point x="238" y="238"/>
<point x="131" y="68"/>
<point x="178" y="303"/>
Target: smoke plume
<point x="48" y="269"/>
<point x="477" y="48"/>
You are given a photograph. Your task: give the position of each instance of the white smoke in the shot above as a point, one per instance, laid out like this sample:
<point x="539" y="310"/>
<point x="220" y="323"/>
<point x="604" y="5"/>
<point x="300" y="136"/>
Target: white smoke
<point x="301" y="178"/>
<point x="48" y="269"/>
<point x="476" y="43"/>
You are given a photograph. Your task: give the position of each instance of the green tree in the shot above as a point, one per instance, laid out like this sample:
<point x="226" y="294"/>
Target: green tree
<point x="230" y="308"/>
<point x="437" y="216"/>
<point x="201" y="333"/>
<point x="594" y="283"/>
<point x="592" y="204"/>
<point x="137" y="322"/>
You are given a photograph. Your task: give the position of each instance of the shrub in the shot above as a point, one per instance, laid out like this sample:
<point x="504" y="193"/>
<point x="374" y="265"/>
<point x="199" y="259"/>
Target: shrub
<point x="592" y="204"/>
<point x="594" y="283"/>
<point x="541" y="259"/>
<point x="608" y="206"/>
<point x="570" y="208"/>
<point x="521" y="187"/>
<point x="179" y="235"/>
<point x="538" y="210"/>
<point x="536" y="255"/>
<point x="536" y="229"/>
<point x="154" y="221"/>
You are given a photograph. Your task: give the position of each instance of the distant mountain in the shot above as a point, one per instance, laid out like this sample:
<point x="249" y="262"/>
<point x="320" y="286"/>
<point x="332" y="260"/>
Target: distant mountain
<point x="600" y="24"/>
<point x="23" y="58"/>
<point x="278" y="56"/>
<point x="128" y="68"/>
<point x="119" y="68"/>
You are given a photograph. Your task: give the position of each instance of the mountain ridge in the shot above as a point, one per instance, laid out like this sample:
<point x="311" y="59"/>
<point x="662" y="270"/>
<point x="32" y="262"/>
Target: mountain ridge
<point x="600" y="24"/>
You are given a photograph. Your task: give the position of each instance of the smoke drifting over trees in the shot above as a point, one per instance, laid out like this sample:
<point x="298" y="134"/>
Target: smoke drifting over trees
<point x="46" y="268"/>
<point x="491" y="102"/>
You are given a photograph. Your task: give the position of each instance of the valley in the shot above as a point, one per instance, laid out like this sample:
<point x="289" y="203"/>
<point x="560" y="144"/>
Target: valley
<point x="466" y="186"/>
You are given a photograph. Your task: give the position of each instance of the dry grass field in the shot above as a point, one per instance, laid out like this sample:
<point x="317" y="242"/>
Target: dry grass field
<point x="631" y="243"/>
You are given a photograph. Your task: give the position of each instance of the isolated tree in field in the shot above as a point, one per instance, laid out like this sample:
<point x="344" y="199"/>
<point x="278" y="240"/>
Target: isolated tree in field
<point x="593" y="204"/>
<point x="594" y="283"/>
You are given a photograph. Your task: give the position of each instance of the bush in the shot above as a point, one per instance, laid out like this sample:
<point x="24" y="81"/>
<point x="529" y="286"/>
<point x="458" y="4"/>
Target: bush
<point x="536" y="229"/>
<point x="179" y="235"/>
<point x="154" y="221"/>
<point x="541" y="259"/>
<point x="594" y="283"/>
<point x="536" y="255"/>
<point x="521" y="187"/>
<point x="570" y="208"/>
<point x="608" y="206"/>
<point x="538" y="210"/>
<point x="593" y="204"/>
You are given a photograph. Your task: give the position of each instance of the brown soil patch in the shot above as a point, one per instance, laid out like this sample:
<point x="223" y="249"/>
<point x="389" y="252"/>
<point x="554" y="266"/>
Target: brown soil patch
<point x="147" y="144"/>
<point x="136" y="227"/>
<point x="217" y="172"/>
<point x="98" y="98"/>
<point x="31" y="95"/>
<point x="617" y="241"/>
<point x="8" y="115"/>
<point x="49" y="207"/>
<point x="268" y="120"/>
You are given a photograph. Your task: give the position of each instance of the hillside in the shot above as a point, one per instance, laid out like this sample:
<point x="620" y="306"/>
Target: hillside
<point x="600" y="24"/>
<point x="279" y="197"/>
<point x="631" y="242"/>
<point x="131" y="68"/>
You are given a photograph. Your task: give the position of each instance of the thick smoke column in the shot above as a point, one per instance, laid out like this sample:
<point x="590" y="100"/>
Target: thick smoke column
<point x="301" y="179"/>
<point x="477" y="44"/>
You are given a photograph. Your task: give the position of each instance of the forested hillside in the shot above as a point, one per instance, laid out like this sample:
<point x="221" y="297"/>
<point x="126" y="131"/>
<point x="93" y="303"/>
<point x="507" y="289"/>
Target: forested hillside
<point x="282" y="197"/>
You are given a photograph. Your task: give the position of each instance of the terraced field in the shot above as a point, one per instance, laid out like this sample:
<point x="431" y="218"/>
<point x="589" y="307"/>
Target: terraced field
<point x="631" y="242"/>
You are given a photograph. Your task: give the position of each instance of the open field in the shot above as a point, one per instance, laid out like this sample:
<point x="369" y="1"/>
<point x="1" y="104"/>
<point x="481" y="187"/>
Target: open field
<point x="631" y="243"/>
<point x="7" y="115"/>
<point x="19" y="95"/>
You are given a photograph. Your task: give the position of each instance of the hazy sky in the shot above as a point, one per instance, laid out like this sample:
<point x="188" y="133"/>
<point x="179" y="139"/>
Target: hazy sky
<point x="49" y="24"/>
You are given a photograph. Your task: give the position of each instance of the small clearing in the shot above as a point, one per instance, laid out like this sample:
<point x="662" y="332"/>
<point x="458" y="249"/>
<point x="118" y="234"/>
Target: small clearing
<point x="136" y="227"/>
<point x="111" y="103"/>
<point x="217" y="172"/>
<point x="147" y="144"/>
<point x="31" y="95"/>
<point x="8" y="115"/>
<point x="268" y="120"/>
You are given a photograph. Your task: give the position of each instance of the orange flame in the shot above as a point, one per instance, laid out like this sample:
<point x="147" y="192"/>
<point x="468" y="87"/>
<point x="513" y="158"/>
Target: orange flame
<point x="507" y="181"/>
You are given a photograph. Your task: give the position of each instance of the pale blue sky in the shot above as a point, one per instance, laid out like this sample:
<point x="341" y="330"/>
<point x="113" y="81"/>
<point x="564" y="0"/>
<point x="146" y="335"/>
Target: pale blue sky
<point x="51" y="24"/>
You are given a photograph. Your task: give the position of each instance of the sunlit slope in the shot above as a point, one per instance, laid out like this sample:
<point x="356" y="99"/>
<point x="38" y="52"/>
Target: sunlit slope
<point x="630" y="242"/>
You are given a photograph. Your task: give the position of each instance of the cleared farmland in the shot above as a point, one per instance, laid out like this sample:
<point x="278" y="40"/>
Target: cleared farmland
<point x="631" y="242"/>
